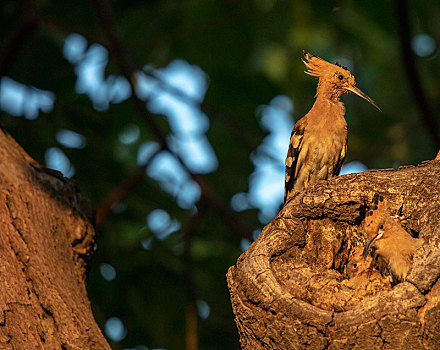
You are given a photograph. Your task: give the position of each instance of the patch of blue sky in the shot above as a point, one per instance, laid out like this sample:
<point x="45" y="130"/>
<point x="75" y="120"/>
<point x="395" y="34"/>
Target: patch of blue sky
<point x="75" y="45"/>
<point x="70" y="139"/>
<point x="277" y="119"/>
<point x="183" y="118"/>
<point x="145" y="85"/>
<point x="266" y="183"/>
<point x="90" y="73"/>
<point x="146" y="151"/>
<point x="353" y="167"/>
<point x="90" y="62"/>
<point x="423" y="45"/>
<point x="161" y="223"/>
<point x="115" y="329"/>
<point x="176" y="91"/>
<point x="279" y="124"/>
<point x="189" y="79"/>
<point x="118" y="89"/>
<point x="245" y="244"/>
<point x="173" y="178"/>
<point x="196" y="152"/>
<point x="56" y="159"/>
<point x="158" y="220"/>
<point x="90" y="70"/>
<point x="203" y="308"/>
<point x="240" y="202"/>
<point x="256" y="233"/>
<point x="20" y="100"/>
<point x="129" y="134"/>
<point x="266" y="189"/>
<point x="108" y="272"/>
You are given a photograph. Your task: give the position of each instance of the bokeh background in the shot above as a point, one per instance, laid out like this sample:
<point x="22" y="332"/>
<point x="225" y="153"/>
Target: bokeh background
<point x="173" y="118"/>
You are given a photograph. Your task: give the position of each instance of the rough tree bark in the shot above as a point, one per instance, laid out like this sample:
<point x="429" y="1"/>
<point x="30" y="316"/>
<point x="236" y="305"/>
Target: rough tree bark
<point x="46" y="240"/>
<point x="289" y="290"/>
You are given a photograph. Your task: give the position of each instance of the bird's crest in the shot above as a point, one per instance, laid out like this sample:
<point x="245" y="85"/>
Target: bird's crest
<point x="376" y="215"/>
<point x="317" y="67"/>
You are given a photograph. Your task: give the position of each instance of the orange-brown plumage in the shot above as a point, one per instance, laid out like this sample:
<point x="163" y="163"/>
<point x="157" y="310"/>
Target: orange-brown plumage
<point x="318" y="141"/>
<point x="393" y="248"/>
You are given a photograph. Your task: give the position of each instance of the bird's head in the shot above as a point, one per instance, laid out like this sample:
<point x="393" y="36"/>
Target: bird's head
<point x="334" y="79"/>
<point x="375" y="222"/>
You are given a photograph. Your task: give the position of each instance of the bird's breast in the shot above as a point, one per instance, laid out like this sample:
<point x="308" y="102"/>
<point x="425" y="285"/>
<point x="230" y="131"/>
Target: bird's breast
<point x="321" y="153"/>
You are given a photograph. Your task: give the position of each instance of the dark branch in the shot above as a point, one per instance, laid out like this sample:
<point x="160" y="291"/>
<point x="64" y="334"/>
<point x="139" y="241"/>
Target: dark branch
<point x="191" y="316"/>
<point x="404" y="29"/>
<point x="27" y="24"/>
<point x="122" y="190"/>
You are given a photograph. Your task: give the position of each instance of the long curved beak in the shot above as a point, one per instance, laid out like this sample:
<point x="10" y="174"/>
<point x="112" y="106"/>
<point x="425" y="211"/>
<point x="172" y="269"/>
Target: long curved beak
<point x="358" y="92"/>
<point x="370" y="243"/>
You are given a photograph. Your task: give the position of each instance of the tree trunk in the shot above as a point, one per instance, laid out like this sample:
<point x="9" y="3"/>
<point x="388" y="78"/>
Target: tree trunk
<point x="46" y="240"/>
<point x="290" y="289"/>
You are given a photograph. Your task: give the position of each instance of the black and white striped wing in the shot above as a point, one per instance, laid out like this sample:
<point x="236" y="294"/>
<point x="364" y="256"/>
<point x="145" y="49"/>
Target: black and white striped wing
<point x="291" y="172"/>
<point x="341" y="159"/>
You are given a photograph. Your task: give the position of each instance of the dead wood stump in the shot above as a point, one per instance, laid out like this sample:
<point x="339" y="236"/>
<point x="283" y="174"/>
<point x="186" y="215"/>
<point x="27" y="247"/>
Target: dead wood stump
<point x="290" y="289"/>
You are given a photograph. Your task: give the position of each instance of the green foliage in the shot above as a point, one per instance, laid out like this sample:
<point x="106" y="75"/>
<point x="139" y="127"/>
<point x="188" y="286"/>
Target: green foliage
<point x="251" y="51"/>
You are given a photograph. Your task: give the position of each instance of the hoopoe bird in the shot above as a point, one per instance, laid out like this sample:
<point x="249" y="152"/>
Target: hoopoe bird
<point x="361" y="274"/>
<point x="357" y="264"/>
<point x="393" y="248"/>
<point x="319" y="140"/>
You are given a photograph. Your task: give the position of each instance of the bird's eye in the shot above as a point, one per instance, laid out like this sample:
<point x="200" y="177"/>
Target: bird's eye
<point x="355" y="265"/>
<point x="340" y="77"/>
<point x="381" y="227"/>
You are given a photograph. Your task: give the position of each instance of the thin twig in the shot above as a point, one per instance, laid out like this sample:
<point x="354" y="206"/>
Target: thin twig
<point x="122" y="190"/>
<point x="191" y="315"/>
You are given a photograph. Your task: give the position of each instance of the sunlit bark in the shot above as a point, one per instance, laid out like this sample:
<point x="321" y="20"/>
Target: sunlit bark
<point x="289" y="290"/>
<point x="45" y="244"/>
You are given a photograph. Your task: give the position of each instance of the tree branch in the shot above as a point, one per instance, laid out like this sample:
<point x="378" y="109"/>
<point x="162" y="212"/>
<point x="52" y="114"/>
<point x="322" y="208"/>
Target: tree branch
<point x="191" y="315"/>
<point x="122" y="190"/>
<point x="414" y="80"/>
<point x="27" y="24"/>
